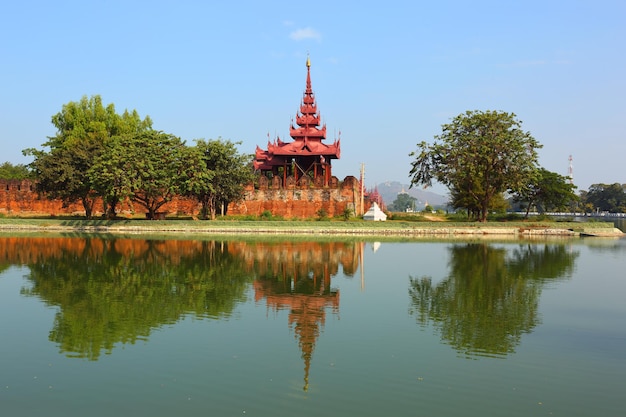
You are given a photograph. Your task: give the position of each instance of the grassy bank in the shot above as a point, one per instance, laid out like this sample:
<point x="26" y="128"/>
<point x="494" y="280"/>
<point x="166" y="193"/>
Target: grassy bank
<point x="312" y="227"/>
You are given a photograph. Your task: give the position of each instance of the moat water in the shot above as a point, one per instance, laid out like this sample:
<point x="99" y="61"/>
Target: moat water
<point x="136" y="326"/>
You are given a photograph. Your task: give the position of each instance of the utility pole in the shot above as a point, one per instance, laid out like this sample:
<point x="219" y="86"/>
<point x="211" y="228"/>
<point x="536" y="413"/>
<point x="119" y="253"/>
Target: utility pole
<point x="362" y="187"/>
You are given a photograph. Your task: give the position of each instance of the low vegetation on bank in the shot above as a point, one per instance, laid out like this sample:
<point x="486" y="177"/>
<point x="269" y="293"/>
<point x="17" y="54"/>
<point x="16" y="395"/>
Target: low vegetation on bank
<point x="405" y="224"/>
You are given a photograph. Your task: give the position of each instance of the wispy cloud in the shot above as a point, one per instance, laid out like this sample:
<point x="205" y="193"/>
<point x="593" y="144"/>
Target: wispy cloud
<point x="305" y="33"/>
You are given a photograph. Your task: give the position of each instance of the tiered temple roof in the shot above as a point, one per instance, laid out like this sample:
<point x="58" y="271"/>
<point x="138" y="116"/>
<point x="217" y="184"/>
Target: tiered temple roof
<point x="306" y="155"/>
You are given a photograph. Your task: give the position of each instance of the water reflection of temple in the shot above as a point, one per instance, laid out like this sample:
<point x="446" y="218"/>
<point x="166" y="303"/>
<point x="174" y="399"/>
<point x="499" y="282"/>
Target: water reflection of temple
<point x="307" y="314"/>
<point x="297" y="277"/>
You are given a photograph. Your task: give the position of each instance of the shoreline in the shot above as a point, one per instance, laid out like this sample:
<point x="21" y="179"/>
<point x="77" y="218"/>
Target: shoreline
<point x="432" y="229"/>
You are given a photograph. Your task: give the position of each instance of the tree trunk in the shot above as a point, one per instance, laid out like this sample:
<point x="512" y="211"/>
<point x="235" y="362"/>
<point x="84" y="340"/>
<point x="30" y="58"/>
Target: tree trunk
<point x="484" y="211"/>
<point x="212" y="208"/>
<point x="88" y="206"/>
<point x="527" y="210"/>
<point x="204" y="210"/>
<point x="111" y="212"/>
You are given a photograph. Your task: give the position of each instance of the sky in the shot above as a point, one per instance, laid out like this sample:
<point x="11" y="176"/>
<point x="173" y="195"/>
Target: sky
<point x="386" y="75"/>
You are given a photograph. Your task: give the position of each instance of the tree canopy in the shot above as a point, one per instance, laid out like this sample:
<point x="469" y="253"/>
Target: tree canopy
<point x="606" y="197"/>
<point x="99" y="153"/>
<point x="146" y="167"/>
<point x="159" y="166"/>
<point x="548" y="191"/>
<point x="220" y="176"/>
<point x="83" y="128"/>
<point x="8" y="171"/>
<point x="403" y="202"/>
<point x="478" y="156"/>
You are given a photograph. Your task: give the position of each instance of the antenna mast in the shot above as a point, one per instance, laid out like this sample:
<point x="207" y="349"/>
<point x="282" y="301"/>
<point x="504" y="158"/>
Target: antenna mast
<point x="570" y="170"/>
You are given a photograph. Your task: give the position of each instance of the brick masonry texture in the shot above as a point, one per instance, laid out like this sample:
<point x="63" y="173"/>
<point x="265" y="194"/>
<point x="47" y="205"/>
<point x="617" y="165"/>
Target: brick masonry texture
<point x="303" y="200"/>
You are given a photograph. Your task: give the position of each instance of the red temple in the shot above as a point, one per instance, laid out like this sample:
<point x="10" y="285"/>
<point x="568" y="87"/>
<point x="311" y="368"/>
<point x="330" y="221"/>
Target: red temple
<point x="306" y="157"/>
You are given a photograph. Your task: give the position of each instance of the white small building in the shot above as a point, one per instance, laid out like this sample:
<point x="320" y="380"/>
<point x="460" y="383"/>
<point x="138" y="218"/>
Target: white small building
<point x="375" y="214"/>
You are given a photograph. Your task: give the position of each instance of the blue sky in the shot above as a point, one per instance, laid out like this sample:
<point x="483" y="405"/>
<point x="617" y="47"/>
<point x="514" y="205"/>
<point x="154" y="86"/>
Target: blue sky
<point x="386" y="75"/>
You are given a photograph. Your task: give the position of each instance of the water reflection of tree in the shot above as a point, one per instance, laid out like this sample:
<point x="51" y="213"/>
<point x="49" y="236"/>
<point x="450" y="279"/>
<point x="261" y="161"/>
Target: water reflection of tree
<point x="113" y="291"/>
<point x="491" y="295"/>
<point x="615" y="246"/>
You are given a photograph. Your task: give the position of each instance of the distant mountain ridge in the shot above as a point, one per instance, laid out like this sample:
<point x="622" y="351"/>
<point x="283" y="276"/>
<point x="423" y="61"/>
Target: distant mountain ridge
<point x="389" y="191"/>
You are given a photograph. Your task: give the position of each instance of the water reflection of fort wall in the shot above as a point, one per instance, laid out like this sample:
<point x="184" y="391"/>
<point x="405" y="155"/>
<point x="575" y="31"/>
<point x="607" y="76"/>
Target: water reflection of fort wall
<point x="299" y="257"/>
<point x="28" y="250"/>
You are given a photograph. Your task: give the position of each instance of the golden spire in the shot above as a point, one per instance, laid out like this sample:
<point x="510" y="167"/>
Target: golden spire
<point x="308" y="61"/>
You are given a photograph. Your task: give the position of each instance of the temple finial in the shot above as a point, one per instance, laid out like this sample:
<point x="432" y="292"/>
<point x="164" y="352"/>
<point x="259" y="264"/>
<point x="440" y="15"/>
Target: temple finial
<point x="308" y="61"/>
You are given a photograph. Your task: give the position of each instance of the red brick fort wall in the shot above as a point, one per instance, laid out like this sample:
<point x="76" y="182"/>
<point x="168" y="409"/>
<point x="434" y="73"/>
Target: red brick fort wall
<point x="295" y="200"/>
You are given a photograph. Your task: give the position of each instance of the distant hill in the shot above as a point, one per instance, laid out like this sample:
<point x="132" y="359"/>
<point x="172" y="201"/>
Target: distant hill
<point x="389" y="191"/>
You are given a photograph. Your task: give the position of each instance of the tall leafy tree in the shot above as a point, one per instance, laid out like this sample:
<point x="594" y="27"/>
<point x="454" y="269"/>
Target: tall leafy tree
<point x="225" y="173"/>
<point x="607" y="197"/>
<point x="584" y="204"/>
<point x="479" y="155"/>
<point x="548" y="191"/>
<point x="112" y="174"/>
<point x="403" y="202"/>
<point x="82" y="129"/>
<point x="147" y="167"/>
<point x="62" y="173"/>
<point x="197" y="183"/>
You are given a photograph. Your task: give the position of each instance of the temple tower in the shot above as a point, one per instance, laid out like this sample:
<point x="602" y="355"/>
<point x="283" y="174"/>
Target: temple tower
<point x="306" y="158"/>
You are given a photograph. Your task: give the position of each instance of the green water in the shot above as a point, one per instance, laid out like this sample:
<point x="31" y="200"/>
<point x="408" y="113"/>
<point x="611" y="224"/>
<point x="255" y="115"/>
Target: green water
<point x="135" y="327"/>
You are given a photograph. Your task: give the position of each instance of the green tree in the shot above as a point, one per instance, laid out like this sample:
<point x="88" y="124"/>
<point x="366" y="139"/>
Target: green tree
<point x="479" y="155"/>
<point x="156" y="167"/>
<point x="403" y="202"/>
<point x="584" y="204"/>
<point x="198" y="182"/>
<point x="147" y="167"/>
<point x="461" y="196"/>
<point x="82" y="129"/>
<point x="62" y="173"/>
<point x="607" y="197"/>
<point x="548" y="191"/>
<point x="8" y="171"/>
<point x="111" y="174"/>
<point x="221" y="177"/>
